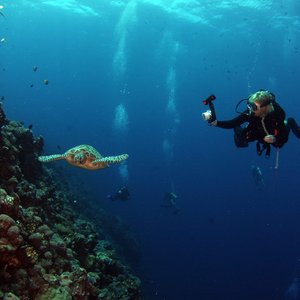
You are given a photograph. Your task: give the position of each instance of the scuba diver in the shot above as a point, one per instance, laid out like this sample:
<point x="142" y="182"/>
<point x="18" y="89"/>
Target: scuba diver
<point x="265" y="118"/>
<point x="293" y="290"/>
<point x="169" y="201"/>
<point x="258" y="177"/>
<point x="122" y="194"/>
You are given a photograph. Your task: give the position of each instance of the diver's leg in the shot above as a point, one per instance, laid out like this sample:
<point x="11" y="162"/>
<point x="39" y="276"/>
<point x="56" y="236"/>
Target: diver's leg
<point x="292" y="124"/>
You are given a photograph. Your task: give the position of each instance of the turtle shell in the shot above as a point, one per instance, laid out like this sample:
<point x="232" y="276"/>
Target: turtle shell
<point x="82" y="156"/>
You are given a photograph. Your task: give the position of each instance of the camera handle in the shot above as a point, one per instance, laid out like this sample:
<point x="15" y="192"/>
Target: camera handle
<point x="213" y="112"/>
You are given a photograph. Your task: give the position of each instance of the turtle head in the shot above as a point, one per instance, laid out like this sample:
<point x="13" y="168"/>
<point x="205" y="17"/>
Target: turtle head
<point x="79" y="158"/>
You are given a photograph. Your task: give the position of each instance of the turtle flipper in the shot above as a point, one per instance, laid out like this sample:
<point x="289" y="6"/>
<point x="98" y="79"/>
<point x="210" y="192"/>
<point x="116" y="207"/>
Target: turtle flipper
<point x="112" y="159"/>
<point x="50" y="158"/>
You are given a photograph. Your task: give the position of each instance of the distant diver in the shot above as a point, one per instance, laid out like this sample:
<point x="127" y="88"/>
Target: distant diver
<point x="170" y="201"/>
<point x="122" y="194"/>
<point x="258" y="177"/>
<point x="293" y="290"/>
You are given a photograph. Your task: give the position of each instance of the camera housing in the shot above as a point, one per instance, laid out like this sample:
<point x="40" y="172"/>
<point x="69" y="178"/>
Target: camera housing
<point x="207" y="115"/>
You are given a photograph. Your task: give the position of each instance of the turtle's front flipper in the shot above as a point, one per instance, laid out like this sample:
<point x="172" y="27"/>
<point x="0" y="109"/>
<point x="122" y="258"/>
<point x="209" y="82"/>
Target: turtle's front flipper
<point x="50" y="158"/>
<point x="112" y="159"/>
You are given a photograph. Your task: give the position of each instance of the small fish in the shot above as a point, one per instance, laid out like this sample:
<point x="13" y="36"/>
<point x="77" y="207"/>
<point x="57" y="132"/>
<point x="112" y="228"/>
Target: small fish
<point x="34" y="68"/>
<point x="1" y="13"/>
<point x="58" y="147"/>
<point x="2" y="98"/>
<point x="31" y="85"/>
<point x="46" y="81"/>
<point x="3" y="40"/>
<point x="30" y="126"/>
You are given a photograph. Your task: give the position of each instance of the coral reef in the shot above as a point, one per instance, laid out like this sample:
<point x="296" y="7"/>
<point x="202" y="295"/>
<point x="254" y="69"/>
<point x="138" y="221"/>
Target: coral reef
<point x="46" y="250"/>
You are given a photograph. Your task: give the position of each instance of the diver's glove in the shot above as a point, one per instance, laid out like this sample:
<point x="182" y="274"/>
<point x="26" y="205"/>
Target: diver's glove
<point x="270" y="139"/>
<point x="213" y="123"/>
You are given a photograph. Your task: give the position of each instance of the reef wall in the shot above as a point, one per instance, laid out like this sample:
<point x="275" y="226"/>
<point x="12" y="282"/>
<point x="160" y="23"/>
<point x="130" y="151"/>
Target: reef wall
<point x="46" y="250"/>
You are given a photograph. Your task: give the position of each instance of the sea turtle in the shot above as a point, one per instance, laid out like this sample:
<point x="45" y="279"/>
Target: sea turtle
<point x="86" y="157"/>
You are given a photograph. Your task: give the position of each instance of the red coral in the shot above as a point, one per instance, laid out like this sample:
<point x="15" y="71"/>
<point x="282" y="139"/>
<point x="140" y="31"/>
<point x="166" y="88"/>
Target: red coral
<point x="10" y="234"/>
<point x="5" y="222"/>
<point x="14" y="236"/>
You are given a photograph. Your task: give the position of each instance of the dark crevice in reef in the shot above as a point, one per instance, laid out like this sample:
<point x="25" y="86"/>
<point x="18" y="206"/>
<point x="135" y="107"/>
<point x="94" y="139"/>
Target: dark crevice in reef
<point x="48" y="250"/>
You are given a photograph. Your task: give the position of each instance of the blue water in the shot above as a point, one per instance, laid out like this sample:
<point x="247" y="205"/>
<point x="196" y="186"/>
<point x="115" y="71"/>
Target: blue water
<point x="129" y="77"/>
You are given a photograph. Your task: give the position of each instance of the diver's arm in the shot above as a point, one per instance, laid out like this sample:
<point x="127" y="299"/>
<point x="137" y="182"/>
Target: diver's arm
<point x="232" y="123"/>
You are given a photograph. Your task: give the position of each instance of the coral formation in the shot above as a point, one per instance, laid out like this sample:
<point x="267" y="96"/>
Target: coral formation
<point x="46" y="250"/>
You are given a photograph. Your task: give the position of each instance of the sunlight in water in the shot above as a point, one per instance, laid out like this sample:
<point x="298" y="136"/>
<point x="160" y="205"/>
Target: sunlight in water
<point x="121" y="119"/>
<point x="72" y="5"/>
<point x="127" y="18"/>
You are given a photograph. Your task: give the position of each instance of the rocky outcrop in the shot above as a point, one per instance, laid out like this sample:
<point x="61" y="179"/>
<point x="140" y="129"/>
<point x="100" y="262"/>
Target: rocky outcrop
<point x="46" y="250"/>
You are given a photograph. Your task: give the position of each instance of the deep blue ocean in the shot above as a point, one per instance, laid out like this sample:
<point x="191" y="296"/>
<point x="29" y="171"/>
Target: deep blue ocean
<point x="130" y="77"/>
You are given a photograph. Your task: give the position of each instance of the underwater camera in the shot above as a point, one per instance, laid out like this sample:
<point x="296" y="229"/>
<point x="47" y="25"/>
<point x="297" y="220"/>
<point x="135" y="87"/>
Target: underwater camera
<point x="209" y="115"/>
<point x="206" y="115"/>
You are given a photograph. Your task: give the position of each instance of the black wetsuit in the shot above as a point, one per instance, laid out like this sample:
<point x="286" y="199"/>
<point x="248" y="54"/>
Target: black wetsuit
<point x="258" y="128"/>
